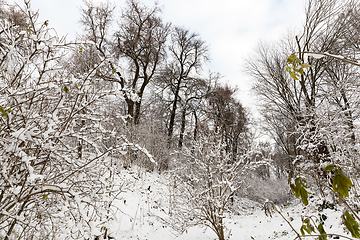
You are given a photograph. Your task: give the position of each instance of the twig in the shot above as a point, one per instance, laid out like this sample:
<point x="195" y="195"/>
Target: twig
<point x="277" y="210"/>
<point x="341" y="58"/>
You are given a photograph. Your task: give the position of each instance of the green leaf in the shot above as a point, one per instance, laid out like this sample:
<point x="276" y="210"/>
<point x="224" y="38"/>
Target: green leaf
<point x="304" y="196"/>
<point x="295" y="67"/>
<point x="322" y="232"/>
<point x="294" y="76"/>
<point x="113" y="71"/>
<point x="66" y="89"/>
<point x="329" y="167"/>
<point x="350" y="218"/>
<point x="4" y="111"/>
<point x="291" y="59"/>
<point x="302" y="230"/>
<point x="341" y="183"/>
<point x="351" y="224"/>
<point x="297" y="190"/>
<point x="307" y="227"/>
<point x="305" y="65"/>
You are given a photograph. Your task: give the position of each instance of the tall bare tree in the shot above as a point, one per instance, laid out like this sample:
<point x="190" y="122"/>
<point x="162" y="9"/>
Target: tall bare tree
<point x="138" y="44"/>
<point x="188" y="52"/>
<point x="140" y="39"/>
<point x="229" y="120"/>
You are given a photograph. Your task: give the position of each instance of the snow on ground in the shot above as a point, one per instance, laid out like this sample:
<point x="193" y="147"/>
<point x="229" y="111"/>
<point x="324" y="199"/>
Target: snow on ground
<point x="144" y="208"/>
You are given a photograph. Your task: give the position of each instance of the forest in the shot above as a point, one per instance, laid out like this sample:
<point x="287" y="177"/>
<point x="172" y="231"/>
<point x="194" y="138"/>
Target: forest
<point x="123" y="124"/>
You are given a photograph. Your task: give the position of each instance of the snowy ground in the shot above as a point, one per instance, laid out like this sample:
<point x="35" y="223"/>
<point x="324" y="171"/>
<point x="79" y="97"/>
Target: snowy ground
<point x="143" y="209"/>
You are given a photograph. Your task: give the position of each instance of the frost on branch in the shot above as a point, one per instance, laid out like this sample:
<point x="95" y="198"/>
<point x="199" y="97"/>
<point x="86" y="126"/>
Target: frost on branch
<point x="205" y="181"/>
<point x="54" y="137"/>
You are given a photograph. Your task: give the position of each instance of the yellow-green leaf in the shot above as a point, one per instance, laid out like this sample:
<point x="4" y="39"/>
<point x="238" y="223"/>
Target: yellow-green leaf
<point x="44" y="196"/>
<point x="329" y="167"/>
<point x="304" y="196"/>
<point x="351" y="224"/>
<point x="322" y="232"/>
<point x="305" y="65"/>
<point x="291" y="58"/>
<point x="341" y="184"/>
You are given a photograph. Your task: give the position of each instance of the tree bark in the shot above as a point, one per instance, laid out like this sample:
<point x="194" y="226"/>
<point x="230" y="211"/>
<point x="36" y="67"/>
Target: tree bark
<point x="196" y="126"/>
<point x="182" y="130"/>
<point x="173" y="113"/>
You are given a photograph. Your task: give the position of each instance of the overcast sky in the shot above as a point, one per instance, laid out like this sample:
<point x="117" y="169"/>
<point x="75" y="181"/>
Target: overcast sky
<point x="231" y="28"/>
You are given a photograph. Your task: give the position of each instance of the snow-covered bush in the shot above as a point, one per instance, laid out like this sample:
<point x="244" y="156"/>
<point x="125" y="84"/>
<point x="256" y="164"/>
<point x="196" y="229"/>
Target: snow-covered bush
<point x="55" y="180"/>
<point x="204" y="182"/>
<point x="151" y="137"/>
<point x="327" y="166"/>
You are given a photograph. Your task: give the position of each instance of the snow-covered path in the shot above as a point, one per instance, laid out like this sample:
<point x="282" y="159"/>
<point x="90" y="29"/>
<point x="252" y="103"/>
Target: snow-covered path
<point x="144" y="207"/>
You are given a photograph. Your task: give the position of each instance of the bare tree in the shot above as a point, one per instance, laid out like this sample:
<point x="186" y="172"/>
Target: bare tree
<point x="140" y="40"/>
<point x="97" y="20"/>
<point x="294" y="108"/>
<point x="228" y="118"/>
<point x="188" y="52"/>
<point x="192" y="101"/>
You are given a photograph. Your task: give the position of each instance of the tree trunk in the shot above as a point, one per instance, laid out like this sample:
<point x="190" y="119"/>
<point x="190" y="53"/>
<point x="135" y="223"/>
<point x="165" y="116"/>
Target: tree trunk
<point x="140" y="93"/>
<point x="173" y="113"/>
<point x="348" y="114"/>
<point x="182" y="129"/>
<point x="130" y="111"/>
<point x="196" y="125"/>
<point x="137" y="112"/>
<point x="220" y="230"/>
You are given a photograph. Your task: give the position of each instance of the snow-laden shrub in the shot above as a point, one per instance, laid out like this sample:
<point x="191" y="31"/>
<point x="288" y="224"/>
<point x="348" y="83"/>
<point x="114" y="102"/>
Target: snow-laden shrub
<point x="204" y="182"/>
<point x="56" y="181"/>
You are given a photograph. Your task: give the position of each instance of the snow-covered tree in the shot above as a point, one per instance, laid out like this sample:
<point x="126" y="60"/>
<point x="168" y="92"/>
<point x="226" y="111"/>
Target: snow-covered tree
<point x="204" y="182"/>
<point x="49" y="188"/>
<point x="310" y="92"/>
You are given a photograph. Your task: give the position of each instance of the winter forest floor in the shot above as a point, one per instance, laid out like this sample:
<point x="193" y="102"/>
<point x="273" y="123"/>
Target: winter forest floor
<point x="144" y="207"/>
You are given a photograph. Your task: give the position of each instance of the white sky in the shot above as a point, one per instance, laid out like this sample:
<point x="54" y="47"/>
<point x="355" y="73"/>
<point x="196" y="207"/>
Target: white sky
<point x="231" y="28"/>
